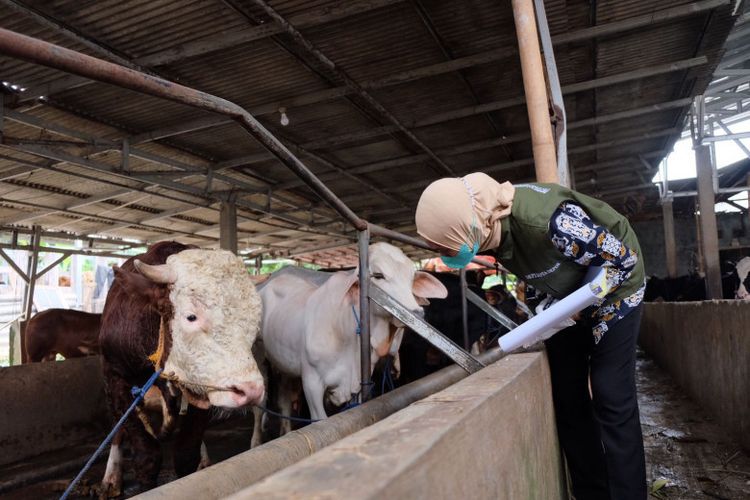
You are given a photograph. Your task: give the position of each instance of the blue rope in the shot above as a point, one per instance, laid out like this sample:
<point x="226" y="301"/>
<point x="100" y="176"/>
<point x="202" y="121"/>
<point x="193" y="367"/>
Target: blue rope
<point x="139" y="393"/>
<point x="293" y="419"/>
<point x="356" y="318"/>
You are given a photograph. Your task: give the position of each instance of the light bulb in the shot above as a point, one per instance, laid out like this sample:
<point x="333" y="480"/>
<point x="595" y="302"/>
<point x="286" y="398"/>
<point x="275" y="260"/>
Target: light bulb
<point x="284" y="119"/>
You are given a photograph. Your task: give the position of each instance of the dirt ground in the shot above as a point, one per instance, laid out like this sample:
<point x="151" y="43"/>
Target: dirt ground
<point x="688" y="454"/>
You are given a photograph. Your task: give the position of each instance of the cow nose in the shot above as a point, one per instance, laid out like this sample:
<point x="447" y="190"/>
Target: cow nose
<point x="247" y="393"/>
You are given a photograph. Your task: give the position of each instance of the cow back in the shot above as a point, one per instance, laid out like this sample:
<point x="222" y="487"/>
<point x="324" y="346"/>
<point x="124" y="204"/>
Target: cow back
<point x="130" y="323"/>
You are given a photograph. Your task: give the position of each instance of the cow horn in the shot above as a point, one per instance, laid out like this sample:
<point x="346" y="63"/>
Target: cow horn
<point x="161" y="273"/>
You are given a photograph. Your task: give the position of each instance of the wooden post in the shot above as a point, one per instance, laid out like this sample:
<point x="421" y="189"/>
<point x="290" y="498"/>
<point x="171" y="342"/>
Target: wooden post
<point x="670" y="245"/>
<point x="535" y="88"/>
<point x="709" y="230"/>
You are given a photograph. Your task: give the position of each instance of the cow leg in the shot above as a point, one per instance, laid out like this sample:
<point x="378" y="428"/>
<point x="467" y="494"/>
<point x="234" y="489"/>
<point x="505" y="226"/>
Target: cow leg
<point x="146" y="449"/>
<point x="187" y="445"/>
<point x="286" y="396"/>
<point x="314" y="392"/>
<point x="112" y="482"/>
<point x="205" y="460"/>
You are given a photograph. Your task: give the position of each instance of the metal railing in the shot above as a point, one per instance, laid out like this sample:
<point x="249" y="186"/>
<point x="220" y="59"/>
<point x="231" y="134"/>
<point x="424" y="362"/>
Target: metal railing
<point x="40" y="52"/>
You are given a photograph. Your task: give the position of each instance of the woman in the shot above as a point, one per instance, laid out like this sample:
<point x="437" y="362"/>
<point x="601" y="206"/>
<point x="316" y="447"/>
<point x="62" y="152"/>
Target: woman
<point x="548" y="236"/>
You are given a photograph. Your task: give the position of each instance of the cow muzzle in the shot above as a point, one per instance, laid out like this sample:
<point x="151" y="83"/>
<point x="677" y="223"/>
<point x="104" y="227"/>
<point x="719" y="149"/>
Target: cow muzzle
<point x="238" y="395"/>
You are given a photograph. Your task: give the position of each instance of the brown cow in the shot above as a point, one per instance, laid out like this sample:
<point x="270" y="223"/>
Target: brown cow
<point x="196" y="314"/>
<point x="73" y="334"/>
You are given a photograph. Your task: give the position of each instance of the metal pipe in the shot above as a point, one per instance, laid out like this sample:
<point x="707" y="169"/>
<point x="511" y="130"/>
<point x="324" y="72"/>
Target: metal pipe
<point x="545" y="162"/>
<point x="556" y="92"/>
<point x="364" y="314"/>
<point x="464" y="309"/>
<point x="40" y="52"/>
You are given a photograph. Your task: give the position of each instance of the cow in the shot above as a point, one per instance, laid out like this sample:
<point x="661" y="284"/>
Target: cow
<point x="734" y="285"/>
<point x="310" y="323"/>
<point x="72" y="333"/>
<point x="194" y="314"/>
<point x="741" y="279"/>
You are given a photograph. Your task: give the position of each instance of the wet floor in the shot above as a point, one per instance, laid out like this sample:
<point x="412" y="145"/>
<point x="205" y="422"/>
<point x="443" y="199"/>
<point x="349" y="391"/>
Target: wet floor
<point x="688" y="454"/>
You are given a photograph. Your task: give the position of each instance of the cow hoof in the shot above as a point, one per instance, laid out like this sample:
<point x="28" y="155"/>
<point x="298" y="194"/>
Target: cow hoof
<point x="109" y="490"/>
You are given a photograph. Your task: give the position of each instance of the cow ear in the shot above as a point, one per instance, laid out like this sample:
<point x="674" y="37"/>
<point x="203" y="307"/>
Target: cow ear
<point x="427" y="286"/>
<point x="352" y="288"/>
<point x="138" y="284"/>
<point x="422" y="301"/>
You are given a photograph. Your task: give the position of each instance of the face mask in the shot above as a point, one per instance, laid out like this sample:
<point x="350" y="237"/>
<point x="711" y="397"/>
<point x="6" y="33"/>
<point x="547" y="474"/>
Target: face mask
<point x="462" y="258"/>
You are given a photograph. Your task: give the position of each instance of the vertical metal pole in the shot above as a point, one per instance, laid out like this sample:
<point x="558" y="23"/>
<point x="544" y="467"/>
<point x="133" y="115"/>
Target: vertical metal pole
<point x="228" y="226"/>
<point x="364" y="313"/>
<point x="464" y="309"/>
<point x="709" y="230"/>
<point x="535" y="88"/>
<point x="563" y="171"/>
<point x="29" y="297"/>
<point x="670" y="245"/>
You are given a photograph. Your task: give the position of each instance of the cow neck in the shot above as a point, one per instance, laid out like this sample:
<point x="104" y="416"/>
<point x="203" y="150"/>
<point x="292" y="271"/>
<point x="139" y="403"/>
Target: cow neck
<point x="157" y="357"/>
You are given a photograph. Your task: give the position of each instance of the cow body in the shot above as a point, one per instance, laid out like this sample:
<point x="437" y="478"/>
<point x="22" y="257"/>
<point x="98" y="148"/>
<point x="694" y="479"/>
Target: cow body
<point x="72" y="333"/>
<point x="742" y="270"/>
<point x="310" y="323"/>
<point x="195" y="314"/>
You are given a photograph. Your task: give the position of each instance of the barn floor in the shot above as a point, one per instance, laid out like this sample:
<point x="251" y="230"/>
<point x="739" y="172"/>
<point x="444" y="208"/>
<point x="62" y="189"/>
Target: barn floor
<point x="687" y="453"/>
<point x="684" y="446"/>
<point x="223" y="440"/>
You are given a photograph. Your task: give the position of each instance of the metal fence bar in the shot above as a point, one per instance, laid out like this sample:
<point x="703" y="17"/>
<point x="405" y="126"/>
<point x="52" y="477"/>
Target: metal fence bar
<point x="422" y="328"/>
<point x="364" y="313"/>
<point x="491" y="311"/>
<point x="464" y="309"/>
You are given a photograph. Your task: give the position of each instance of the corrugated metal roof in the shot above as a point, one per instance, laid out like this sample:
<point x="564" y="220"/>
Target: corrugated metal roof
<point x="271" y="72"/>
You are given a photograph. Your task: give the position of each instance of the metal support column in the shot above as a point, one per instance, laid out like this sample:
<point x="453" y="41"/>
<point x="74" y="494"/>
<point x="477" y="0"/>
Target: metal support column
<point x="563" y="172"/>
<point x="709" y="230"/>
<point x="670" y="245"/>
<point x="464" y="309"/>
<point x="535" y="88"/>
<point x="228" y="226"/>
<point x="364" y="313"/>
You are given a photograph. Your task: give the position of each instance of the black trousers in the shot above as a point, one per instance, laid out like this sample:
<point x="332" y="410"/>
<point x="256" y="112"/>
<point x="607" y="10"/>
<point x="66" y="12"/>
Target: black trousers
<point x="600" y="436"/>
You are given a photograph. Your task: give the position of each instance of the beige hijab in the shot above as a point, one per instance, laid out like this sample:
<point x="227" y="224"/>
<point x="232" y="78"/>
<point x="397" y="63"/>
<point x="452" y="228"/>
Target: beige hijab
<point x="458" y="210"/>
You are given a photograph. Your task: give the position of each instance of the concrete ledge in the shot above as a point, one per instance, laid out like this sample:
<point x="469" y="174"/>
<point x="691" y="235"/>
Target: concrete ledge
<point x="49" y="406"/>
<point x="705" y="347"/>
<point x="240" y="471"/>
<point x="492" y="435"/>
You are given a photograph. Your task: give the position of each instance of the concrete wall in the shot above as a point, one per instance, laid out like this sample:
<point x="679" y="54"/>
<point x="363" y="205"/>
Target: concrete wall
<point x="733" y="232"/>
<point x="492" y="435"/>
<point x="705" y="346"/>
<point x="48" y="406"/>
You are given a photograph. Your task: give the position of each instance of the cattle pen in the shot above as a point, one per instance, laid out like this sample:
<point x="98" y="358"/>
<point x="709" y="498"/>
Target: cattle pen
<point x="109" y="147"/>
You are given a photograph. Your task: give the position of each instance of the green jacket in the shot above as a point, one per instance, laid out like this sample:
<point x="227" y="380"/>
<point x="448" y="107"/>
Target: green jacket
<point x="527" y="251"/>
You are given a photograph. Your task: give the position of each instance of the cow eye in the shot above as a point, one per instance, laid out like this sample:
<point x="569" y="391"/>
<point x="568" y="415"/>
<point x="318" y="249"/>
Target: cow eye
<point x="378" y="276"/>
<point x="192" y="318"/>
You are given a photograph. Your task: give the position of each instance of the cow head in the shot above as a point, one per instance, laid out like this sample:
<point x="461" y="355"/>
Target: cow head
<point x="211" y="313"/>
<point x="394" y="273"/>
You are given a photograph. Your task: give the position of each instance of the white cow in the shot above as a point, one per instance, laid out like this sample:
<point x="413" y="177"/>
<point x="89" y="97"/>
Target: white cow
<point x="309" y="328"/>
<point x="743" y="270"/>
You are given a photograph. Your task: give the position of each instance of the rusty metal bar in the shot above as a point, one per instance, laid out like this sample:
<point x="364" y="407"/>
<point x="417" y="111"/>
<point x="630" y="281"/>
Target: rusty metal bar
<point x="543" y="146"/>
<point x="40" y="52"/>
